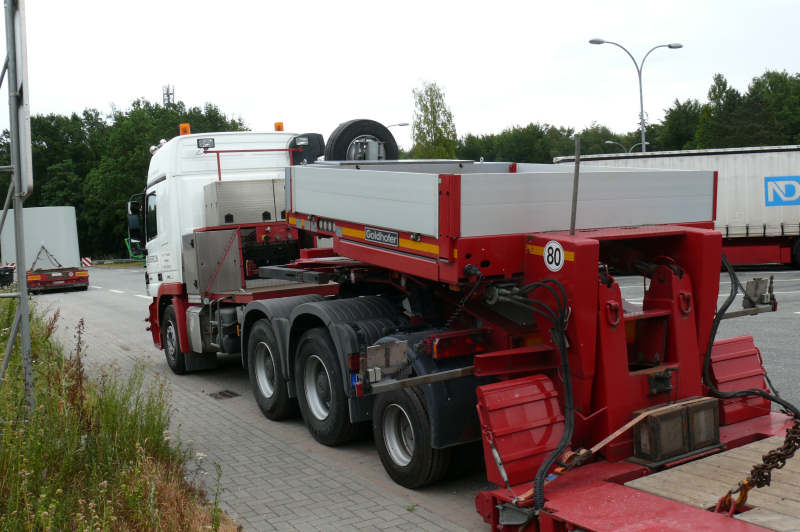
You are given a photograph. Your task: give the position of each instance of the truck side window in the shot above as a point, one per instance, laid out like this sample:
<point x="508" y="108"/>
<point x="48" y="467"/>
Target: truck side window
<point x="150" y="225"/>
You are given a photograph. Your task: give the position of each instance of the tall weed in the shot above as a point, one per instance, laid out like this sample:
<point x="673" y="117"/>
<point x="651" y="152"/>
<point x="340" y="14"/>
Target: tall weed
<point x="94" y="454"/>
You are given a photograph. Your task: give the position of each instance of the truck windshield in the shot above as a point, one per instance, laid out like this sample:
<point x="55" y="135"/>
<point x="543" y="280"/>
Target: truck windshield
<point x="150" y="224"/>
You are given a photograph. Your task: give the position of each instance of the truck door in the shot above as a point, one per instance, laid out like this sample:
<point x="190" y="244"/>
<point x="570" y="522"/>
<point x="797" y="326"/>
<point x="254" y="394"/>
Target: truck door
<point x="154" y="275"/>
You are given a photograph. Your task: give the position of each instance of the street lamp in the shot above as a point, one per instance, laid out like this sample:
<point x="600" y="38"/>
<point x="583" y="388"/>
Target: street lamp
<point x="615" y="142"/>
<point x="629" y="150"/>
<point x="399" y="124"/>
<point x="639" y="66"/>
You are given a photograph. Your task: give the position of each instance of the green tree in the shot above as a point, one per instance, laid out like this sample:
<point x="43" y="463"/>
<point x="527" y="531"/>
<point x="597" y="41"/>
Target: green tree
<point x="95" y="162"/>
<point x="772" y="109"/>
<point x="720" y="120"/>
<point x="678" y="129"/>
<point x="122" y="169"/>
<point x="433" y="128"/>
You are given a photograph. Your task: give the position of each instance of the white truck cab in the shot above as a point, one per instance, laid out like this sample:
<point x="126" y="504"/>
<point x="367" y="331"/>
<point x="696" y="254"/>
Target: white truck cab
<point x="173" y="202"/>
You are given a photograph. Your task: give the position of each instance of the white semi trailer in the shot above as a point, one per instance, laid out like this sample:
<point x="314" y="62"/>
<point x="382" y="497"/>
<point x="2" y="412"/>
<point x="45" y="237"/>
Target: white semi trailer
<point x="757" y="195"/>
<point x="52" y="256"/>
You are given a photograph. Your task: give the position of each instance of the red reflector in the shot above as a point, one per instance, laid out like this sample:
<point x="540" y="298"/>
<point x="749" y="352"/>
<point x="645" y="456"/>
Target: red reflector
<point x="354" y="362"/>
<point x="360" y="389"/>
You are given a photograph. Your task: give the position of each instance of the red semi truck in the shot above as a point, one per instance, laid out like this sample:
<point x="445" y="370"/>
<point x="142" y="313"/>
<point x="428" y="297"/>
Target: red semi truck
<point x="447" y="302"/>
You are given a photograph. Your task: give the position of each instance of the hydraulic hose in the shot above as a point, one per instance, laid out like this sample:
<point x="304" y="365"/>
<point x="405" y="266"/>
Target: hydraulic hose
<point x="708" y="381"/>
<point x="558" y="319"/>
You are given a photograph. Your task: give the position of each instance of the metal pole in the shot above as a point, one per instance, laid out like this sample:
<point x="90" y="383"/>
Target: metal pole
<point x="8" y="200"/>
<point x="19" y="197"/>
<point x="11" y="336"/>
<point x="575" y="185"/>
<point x="3" y="73"/>
<point x="641" y="105"/>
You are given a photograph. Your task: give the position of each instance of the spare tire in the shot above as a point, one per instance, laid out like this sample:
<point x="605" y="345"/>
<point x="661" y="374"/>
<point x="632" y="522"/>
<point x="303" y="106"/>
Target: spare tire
<point x="342" y="145"/>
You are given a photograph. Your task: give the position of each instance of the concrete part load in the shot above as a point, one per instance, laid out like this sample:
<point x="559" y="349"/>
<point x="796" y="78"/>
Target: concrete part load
<point x="443" y="302"/>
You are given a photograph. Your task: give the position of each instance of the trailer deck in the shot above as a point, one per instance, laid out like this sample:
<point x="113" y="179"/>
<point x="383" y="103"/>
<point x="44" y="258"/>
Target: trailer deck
<point x="702" y="482"/>
<point x="271" y="288"/>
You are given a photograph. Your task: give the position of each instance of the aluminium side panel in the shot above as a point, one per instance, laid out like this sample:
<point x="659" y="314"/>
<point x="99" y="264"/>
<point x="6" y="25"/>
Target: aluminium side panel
<point x="240" y="202"/>
<point x="401" y="201"/>
<point x="53" y="227"/>
<point x="494" y="204"/>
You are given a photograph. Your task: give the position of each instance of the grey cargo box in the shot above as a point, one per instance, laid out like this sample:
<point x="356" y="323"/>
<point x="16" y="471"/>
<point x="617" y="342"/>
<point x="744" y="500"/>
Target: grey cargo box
<point x="244" y="202"/>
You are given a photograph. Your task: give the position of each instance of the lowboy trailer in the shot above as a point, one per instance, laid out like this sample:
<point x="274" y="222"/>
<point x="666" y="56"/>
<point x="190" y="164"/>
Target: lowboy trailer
<point x="446" y="302"/>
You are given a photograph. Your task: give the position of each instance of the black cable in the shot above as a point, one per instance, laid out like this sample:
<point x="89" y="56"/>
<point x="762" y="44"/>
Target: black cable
<point x="735" y="285"/>
<point x="569" y="422"/>
<point x="559" y="321"/>
<point x="561" y="302"/>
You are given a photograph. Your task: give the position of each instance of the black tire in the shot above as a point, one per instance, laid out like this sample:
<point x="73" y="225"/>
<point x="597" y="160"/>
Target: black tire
<point x="403" y="438"/>
<point x="323" y="404"/>
<point x="266" y="373"/>
<point x="342" y="136"/>
<point x="176" y="360"/>
<point x="796" y="253"/>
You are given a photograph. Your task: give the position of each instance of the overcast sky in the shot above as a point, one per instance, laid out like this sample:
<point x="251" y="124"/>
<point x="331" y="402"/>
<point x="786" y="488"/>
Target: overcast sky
<point x="315" y="64"/>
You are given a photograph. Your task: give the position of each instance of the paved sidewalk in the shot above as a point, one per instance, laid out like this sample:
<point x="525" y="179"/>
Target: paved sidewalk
<point x="274" y="475"/>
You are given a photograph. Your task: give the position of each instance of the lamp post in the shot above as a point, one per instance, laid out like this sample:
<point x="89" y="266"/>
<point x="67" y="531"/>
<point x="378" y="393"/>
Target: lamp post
<point x="629" y="150"/>
<point x="615" y="142"/>
<point x="639" y="66"/>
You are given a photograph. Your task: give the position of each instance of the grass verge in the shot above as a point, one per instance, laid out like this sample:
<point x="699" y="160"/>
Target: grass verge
<point x="94" y="454"/>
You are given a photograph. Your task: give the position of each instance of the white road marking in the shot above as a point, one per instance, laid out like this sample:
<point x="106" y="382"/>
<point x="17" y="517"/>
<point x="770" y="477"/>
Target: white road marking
<point x="93" y="286"/>
<point x="143" y="297"/>
<point x="797" y="312"/>
<point x="116" y="291"/>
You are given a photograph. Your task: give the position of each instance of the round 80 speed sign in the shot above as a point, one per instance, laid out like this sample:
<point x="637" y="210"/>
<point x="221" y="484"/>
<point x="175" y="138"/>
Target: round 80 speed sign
<point x="553" y="256"/>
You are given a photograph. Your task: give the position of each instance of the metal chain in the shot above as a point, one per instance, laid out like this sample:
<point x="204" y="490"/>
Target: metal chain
<point x="761" y="474"/>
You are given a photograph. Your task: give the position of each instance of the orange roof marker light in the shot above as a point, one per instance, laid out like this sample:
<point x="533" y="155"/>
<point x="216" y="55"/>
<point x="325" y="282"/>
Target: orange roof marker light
<point x="278" y="126"/>
<point x="186" y="129"/>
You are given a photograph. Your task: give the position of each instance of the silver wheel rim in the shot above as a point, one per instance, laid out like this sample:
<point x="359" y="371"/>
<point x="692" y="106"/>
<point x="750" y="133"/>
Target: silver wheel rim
<point x="356" y="150"/>
<point x="318" y="389"/>
<point x="265" y="370"/>
<point x="172" y="342"/>
<point x="398" y="434"/>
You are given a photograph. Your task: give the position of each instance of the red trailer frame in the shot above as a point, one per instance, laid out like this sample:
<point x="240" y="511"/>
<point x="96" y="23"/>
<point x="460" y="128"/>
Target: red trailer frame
<point x="621" y="361"/>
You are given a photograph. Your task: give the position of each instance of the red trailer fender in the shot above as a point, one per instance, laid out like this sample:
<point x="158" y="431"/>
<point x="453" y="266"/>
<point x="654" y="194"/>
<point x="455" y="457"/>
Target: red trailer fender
<point x="521" y="422"/>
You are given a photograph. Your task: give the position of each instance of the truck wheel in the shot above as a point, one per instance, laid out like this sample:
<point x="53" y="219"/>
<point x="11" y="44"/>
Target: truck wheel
<point x="176" y="360"/>
<point x="320" y="395"/>
<point x="403" y="438"/>
<point x="266" y="375"/>
<point x="341" y="143"/>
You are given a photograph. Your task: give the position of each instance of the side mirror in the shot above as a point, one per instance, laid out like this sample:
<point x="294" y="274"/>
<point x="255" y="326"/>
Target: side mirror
<point x="133" y="222"/>
<point x="134" y="207"/>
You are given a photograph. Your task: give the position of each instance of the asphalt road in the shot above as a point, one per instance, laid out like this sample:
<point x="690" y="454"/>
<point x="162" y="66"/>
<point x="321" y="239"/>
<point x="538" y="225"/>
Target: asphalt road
<point x="357" y="487"/>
